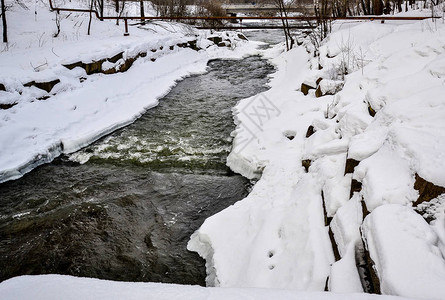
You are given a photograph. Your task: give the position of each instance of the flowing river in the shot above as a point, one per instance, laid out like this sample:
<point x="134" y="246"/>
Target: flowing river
<point x="124" y="207"/>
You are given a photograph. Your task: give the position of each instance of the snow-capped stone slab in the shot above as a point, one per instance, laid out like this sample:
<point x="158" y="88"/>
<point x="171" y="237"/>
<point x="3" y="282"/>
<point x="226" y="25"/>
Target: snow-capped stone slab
<point x="346" y="223"/>
<point x="344" y="277"/>
<point x="405" y="252"/>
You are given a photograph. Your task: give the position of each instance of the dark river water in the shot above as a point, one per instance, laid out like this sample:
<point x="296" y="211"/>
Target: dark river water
<point x="124" y="208"/>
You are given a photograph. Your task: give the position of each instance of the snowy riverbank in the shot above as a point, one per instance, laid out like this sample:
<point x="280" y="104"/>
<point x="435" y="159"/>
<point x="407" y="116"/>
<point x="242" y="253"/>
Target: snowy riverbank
<point x="83" y="89"/>
<point x="312" y="220"/>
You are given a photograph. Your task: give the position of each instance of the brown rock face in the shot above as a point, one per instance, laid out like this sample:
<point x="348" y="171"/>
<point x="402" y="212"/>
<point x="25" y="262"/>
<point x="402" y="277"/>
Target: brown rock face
<point x="371" y="111"/>
<point x="305" y="87"/>
<point x="365" y="265"/>
<point x="7" y="105"/>
<point x="115" y="58"/>
<point x="371" y="277"/>
<point x="96" y="66"/>
<point x="215" y="39"/>
<point x="427" y="190"/>
<point x="310" y="131"/>
<point x="306" y="163"/>
<point x="242" y="36"/>
<point x="337" y="255"/>
<point x="318" y="92"/>
<point x="47" y="86"/>
<point x="356" y="186"/>
<point x="350" y="165"/>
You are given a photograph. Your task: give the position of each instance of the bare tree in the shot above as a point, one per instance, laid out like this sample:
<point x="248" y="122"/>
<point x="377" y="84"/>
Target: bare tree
<point x="172" y="8"/>
<point x="91" y="16"/>
<point x="5" y="27"/>
<point x="210" y="9"/>
<point x="399" y="5"/>
<point x="323" y="11"/>
<point x="341" y="8"/>
<point x="58" y="19"/>
<point x="378" y="7"/>
<point x="121" y="12"/>
<point x="99" y="5"/>
<point x="283" y="13"/>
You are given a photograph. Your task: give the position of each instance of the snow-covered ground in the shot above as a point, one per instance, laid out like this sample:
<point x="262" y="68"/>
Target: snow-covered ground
<point x="48" y="287"/>
<point x="279" y="236"/>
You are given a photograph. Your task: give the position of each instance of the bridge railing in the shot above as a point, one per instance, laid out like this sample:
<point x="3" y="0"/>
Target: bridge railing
<point x="229" y="18"/>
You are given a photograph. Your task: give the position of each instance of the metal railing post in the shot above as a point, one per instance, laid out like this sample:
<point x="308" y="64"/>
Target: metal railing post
<point x="126" y="33"/>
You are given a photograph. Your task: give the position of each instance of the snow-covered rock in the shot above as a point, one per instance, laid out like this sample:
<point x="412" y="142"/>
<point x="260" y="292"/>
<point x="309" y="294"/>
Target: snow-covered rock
<point x="405" y="252"/>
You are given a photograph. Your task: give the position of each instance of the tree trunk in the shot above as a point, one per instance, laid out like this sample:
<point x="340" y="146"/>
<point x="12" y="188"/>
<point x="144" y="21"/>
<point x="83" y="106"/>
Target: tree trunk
<point x="365" y="8"/>
<point x="345" y="8"/>
<point x="56" y="34"/>
<point x="5" y="27"/>
<point x="399" y="5"/>
<point x="287" y="34"/>
<point x="142" y="11"/>
<point x="101" y="9"/>
<point x="91" y="16"/>
<point x="378" y="7"/>
<point x="116" y="5"/>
